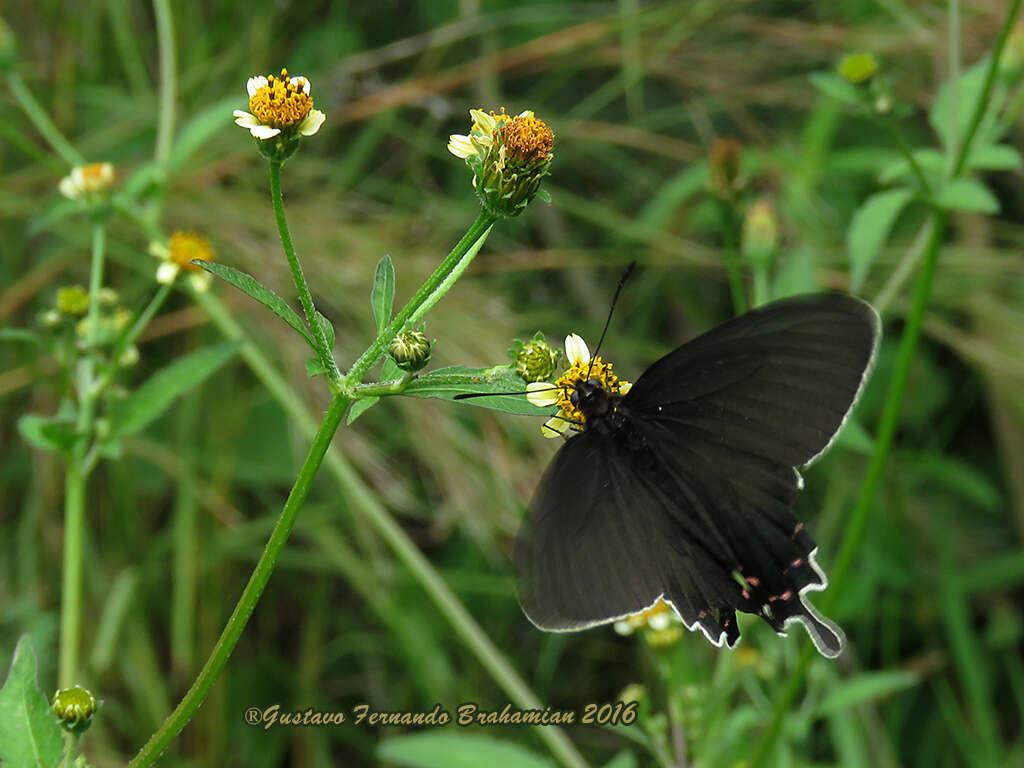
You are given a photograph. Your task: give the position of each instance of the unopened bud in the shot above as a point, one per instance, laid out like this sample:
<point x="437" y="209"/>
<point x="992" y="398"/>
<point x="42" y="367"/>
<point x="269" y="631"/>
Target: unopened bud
<point x="74" y="707"/>
<point x="535" y="360"/>
<point x="410" y="350"/>
<point x="760" y="234"/>
<point x="724" y="163"/>
<point x="72" y="300"/>
<point x="858" y="68"/>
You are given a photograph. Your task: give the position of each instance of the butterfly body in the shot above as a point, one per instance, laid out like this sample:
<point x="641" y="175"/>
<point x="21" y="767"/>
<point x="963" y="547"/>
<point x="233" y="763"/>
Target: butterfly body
<point x="681" y="487"/>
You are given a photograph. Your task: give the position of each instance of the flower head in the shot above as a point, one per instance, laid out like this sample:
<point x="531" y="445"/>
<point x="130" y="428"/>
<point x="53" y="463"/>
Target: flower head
<point x="660" y="622"/>
<point x="858" y="68"/>
<point x="87" y="182"/>
<point x="562" y="391"/>
<point x="74" y="707"/>
<point x="178" y="254"/>
<point x="279" y="106"/>
<point x="509" y="157"/>
<point x="72" y="300"/>
<point x="410" y="350"/>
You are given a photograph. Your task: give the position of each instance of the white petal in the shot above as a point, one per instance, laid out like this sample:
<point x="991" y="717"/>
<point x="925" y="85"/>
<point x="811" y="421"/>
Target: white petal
<point x="659" y="621"/>
<point x="68" y="188"/>
<point x="159" y="250"/>
<point x="542" y="394"/>
<point x="305" y="83"/>
<point x="526" y="113"/>
<point x="484" y="122"/>
<point x="624" y="387"/>
<point x="461" y="146"/>
<point x="312" y="123"/>
<point x="264" y="131"/>
<point x="166" y="272"/>
<point x="556" y="426"/>
<point x="623" y="627"/>
<point x="245" y="119"/>
<point x="576" y="350"/>
<point x="253" y="84"/>
<point x="201" y="281"/>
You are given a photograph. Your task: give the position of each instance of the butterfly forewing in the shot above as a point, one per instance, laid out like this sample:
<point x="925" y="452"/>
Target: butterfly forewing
<point x="685" y="492"/>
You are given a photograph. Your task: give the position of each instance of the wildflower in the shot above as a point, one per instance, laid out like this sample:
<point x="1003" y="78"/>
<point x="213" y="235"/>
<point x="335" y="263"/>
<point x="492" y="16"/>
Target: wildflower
<point x="87" y="182"/>
<point x="178" y="254"/>
<point x="660" y="622"/>
<point x="509" y="157"/>
<point x="279" y="107"/>
<point x="74" y="707"/>
<point x="72" y="300"/>
<point x="858" y="68"/>
<point x="535" y="360"/>
<point x="410" y="350"/>
<point x="560" y="393"/>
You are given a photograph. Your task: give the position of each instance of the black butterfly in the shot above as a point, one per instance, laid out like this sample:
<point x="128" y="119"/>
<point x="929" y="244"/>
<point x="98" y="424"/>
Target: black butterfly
<point x="682" y="489"/>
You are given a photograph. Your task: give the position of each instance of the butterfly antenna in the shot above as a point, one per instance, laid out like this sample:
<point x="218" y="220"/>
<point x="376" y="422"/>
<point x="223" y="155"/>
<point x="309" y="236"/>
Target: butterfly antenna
<point x="611" y="310"/>
<point x="468" y="395"/>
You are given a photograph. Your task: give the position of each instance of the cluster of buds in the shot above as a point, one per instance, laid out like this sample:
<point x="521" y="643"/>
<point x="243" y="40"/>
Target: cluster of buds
<point x="411" y="350"/>
<point x="70" y="318"/>
<point x="74" y="707"/>
<point x="534" y="360"/>
<point x="509" y="157"/>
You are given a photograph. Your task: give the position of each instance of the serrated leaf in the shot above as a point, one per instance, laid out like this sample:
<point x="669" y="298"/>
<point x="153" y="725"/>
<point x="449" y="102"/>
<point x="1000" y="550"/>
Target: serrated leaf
<point x="201" y="129"/>
<point x="30" y="735"/>
<point x="382" y="296"/>
<point x="445" y="383"/>
<point x="969" y="89"/>
<point x="327" y="328"/>
<point x="359" y="407"/>
<point x="967" y="195"/>
<point x="253" y="288"/>
<point x="50" y="433"/>
<point x="156" y="394"/>
<point x="865" y="687"/>
<point x="870" y="228"/>
<point x="452" y="749"/>
<point x="833" y="85"/>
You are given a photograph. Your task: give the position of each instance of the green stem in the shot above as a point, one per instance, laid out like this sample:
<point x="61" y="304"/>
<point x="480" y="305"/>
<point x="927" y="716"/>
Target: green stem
<point x="168" y="85"/>
<point x="429" y="290"/>
<point x="74" y="482"/>
<point x="727" y="223"/>
<point x="908" y="154"/>
<point x="141" y="321"/>
<point x="177" y="720"/>
<point x="305" y="298"/>
<point x="42" y="121"/>
<point x="364" y="502"/>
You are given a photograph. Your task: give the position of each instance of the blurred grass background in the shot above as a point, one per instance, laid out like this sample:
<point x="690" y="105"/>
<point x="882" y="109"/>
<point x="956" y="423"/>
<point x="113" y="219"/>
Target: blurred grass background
<point x="635" y="92"/>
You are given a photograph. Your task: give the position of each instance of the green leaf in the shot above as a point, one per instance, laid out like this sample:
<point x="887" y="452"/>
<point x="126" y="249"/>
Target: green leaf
<point x="359" y="407"/>
<point x="201" y="129"/>
<point x="150" y="400"/>
<point x="969" y="89"/>
<point x="967" y="195"/>
<point x="795" y="275"/>
<point x="382" y="297"/>
<point x="327" y="328"/>
<point x="20" y="334"/>
<point x="314" y="367"/>
<point x="452" y="749"/>
<point x="146" y="176"/>
<point x="30" y="735"/>
<point x="50" y="433"/>
<point x="931" y="161"/>
<point x="624" y="759"/>
<point x="865" y="687"/>
<point x="390" y="370"/>
<point x="994" y="157"/>
<point x="250" y="286"/>
<point x="870" y="228"/>
<point x="445" y="383"/>
<point x="833" y="85"/>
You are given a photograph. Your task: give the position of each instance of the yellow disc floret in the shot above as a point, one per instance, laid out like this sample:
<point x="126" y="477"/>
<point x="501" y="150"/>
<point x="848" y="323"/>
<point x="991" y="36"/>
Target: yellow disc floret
<point x="596" y="369"/>
<point x="188" y="246"/>
<point x="528" y="140"/>
<point x="281" y="103"/>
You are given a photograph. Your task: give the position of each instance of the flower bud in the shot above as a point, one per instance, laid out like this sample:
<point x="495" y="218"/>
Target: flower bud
<point x="72" y="300"/>
<point x="74" y="707"/>
<point x="858" y="68"/>
<point x="535" y="360"/>
<point x="724" y="165"/>
<point x="760" y="234"/>
<point x="88" y="182"/>
<point x="410" y="350"/>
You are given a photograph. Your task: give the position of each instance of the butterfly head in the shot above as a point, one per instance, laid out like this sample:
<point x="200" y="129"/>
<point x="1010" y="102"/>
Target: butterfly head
<point x="585" y="393"/>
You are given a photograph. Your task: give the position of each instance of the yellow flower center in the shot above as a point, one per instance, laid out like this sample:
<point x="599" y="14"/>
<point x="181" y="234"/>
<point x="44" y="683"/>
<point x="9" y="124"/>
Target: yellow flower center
<point x="281" y="103"/>
<point x="186" y="246"/>
<point x="97" y="176"/>
<point x="596" y="369"/>
<point x="528" y="140"/>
